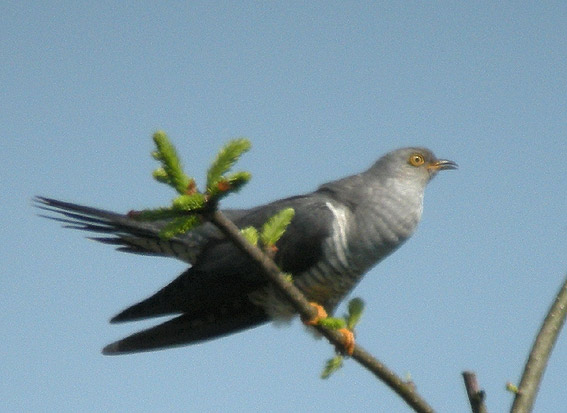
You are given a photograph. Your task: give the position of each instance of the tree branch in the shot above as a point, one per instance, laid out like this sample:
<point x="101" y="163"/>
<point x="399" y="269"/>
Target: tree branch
<point x="476" y="395"/>
<point x="306" y="311"/>
<point x="541" y="350"/>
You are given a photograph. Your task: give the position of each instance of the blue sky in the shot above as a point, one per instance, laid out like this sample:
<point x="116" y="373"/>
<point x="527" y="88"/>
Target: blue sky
<point x="322" y="89"/>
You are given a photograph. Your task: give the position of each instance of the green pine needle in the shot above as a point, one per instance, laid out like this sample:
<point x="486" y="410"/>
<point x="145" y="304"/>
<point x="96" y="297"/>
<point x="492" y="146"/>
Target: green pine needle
<point x="171" y="171"/>
<point x="332" y="365"/>
<point x="238" y="179"/>
<point x="183" y="213"/>
<point x="179" y="225"/>
<point x="154" y="214"/>
<point x="355" y="309"/>
<point x="225" y="159"/>
<point x="228" y="185"/>
<point x="161" y="176"/>
<point x="275" y="227"/>
<point x="189" y="202"/>
<point x="251" y="235"/>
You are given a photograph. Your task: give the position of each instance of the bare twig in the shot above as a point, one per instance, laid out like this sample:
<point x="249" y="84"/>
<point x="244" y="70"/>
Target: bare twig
<point x="301" y="305"/>
<point x="541" y="350"/>
<point x="476" y="395"/>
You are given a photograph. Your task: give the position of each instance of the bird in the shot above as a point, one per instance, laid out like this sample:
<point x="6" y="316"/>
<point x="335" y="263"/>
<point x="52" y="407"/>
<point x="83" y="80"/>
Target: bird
<point x="338" y="233"/>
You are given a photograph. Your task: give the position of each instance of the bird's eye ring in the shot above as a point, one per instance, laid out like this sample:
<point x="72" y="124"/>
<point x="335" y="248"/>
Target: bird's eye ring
<point x="416" y="159"/>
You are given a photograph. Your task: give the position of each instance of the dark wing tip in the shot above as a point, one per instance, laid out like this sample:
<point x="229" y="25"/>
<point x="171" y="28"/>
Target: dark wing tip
<point x="120" y="317"/>
<point x="188" y="329"/>
<point x="112" y="349"/>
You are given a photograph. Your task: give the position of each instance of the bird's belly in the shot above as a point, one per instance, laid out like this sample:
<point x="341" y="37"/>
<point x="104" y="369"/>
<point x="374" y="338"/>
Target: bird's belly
<point x="324" y="284"/>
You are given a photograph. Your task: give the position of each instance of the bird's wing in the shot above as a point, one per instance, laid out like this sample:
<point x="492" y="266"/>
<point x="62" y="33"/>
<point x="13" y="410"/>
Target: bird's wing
<point x="208" y="303"/>
<point x="301" y="245"/>
<point x="223" y="274"/>
<point x="186" y="328"/>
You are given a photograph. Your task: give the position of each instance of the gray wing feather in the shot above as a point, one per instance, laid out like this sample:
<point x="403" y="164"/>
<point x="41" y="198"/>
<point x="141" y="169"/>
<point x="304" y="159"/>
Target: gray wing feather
<point x="222" y="273"/>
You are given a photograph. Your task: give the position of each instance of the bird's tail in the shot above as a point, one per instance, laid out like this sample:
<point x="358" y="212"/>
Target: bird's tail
<point x="126" y="233"/>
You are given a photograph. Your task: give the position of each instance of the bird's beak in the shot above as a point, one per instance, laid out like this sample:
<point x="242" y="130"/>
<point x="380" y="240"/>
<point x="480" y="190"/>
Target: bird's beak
<point x="441" y="164"/>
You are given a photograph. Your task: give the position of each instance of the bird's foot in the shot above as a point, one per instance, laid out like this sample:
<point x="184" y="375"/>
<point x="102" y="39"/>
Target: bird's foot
<point x="348" y="335"/>
<point x="321" y="314"/>
<point x="348" y="341"/>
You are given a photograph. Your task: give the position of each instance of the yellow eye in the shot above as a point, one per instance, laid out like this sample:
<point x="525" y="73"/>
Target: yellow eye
<point x="416" y="159"/>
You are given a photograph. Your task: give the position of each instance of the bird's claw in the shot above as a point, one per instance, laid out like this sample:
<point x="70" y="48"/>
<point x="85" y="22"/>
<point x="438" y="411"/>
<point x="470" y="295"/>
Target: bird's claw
<point x="348" y="341"/>
<point x="348" y="335"/>
<point x="321" y="314"/>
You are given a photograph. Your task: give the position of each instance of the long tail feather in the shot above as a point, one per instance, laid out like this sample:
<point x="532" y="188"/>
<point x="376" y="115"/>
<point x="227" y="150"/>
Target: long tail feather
<point x="126" y="233"/>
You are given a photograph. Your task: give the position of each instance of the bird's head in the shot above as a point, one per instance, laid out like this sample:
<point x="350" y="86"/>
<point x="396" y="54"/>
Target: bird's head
<point x="417" y="165"/>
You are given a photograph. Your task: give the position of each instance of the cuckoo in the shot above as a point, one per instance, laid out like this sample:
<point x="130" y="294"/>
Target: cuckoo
<point x="337" y="234"/>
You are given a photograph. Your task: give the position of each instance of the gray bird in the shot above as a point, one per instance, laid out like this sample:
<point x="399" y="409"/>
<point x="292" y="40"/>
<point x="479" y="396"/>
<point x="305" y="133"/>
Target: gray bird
<point x="338" y="233"/>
